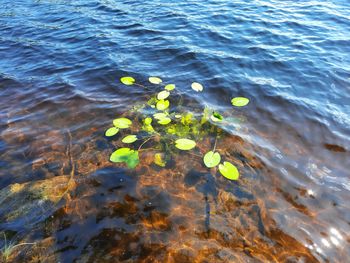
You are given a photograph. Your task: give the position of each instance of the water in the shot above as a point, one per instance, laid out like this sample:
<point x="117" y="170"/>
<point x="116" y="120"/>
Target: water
<point x="60" y="64"/>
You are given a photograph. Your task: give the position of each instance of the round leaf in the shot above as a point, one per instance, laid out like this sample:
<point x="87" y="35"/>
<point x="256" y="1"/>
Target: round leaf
<point x="229" y="171"/>
<point x="122" y="123"/>
<point x="129" y="139"/>
<point x="239" y="101"/>
<point x="120" y="155"/>
<point x="111" y="131"/>
<point x="127" y="80"/>
<point x="155" y="80"/>
<point x="130" y="157"/>
<point x="160" y="115"/>
<point x="148" y="121"/>
<point x="163" y="95"/>
<point x="170" y="87"/>
<point x="211" y="159"/>
<point x="164" y="121"/>
<point x="185" y="144"/>
<point x="162" y="104"/>
<point x="197" y="86"/>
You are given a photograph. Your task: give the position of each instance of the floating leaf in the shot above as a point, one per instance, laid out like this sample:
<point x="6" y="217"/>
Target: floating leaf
<point x="130" y="157"/>
<point x="129" y="139"/>
<point x="216" y="117"/>
<point x="163" y="95"/>
<point x="185" y="144"/>
<point x="170" y="87"/>
<point x="160" y="115"/>
<point x="211" y="159"/>
<point x="197" y="86"/>
<point x="147" y="121"/>
<point x="147" y="125"/>
<point x="127" y="80"/>
<point x="159" y="160"/>
<point x="111" y="131"/>
<point x="155" y="80"/>
<point x="162" y="104"/>
<point x="164" y="121"/>
<point x="229" y="171"/>
<point x="122" y="123"/>
<point x="239" y="101"/>
<point x="119" y="155"/>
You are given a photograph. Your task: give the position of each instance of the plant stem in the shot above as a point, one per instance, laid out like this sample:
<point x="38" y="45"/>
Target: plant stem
<point x="145" y="142"/>
<point x="216" y="139"/>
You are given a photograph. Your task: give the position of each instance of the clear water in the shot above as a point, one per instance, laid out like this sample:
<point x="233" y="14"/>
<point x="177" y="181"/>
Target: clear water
<point x="60" y="64"/>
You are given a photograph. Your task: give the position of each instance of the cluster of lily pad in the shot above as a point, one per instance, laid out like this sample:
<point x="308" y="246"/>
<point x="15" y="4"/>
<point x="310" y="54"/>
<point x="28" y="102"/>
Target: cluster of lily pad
<point x="177" y="129"/>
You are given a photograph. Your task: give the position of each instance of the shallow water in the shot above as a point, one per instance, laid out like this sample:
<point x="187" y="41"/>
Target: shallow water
<point x="60" y="64"/>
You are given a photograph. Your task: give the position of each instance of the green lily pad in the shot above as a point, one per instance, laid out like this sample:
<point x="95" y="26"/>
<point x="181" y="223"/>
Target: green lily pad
<point x="229" y="171"/>
<point x="211" y="159"/>
<point x="147" y="121"/>
<point x="164" y="121"/>
<point x="159" y="160"/>
<point x="122" y="123"/>
<point x="129" y="139"/>
<point x="197" y="86"/>
<point x="162" y="104"/>
<point x="160" y="115"/>
<point x="185" y="144"/>
<point x="130" y="157"/>
<point x="155" y="80"/>
<point x="127" y="80"/>
<point x="111" y="131"/>
<point x="217" y="117"/>
<point x="170" y="87"/>
<point x="239" y="101"/>
<point x="163" y="95"/>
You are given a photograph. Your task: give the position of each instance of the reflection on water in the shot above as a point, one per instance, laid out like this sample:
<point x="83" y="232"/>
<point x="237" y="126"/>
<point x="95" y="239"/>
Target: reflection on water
<point x="61" y="200"/>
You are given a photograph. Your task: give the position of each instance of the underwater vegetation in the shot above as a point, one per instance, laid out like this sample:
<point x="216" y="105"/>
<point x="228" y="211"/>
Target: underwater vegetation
<point x="172" y="129"/>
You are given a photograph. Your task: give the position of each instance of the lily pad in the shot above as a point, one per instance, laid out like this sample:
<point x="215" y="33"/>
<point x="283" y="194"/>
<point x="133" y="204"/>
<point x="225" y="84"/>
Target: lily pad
<point x="160" y="115"/>
<point x="111" y="131"/>
<point x="162" y="105"/>
<point x="164" y="121"/>
<point x="197" y="86"/>
<point x="211" y="159"/>
<point x="185" y="144"/>
<point x="239" y="101"/>
<point x="163" y="95"/>
<point x="159" y="160"/>
<point x="127" y="80"/>
<point x="130" y="157"/>
<point x="147" y="121"/>
<point x="129" y="139"/>
<point x="229" y="171"/>
<point x="155" y="80"/>
<point x="122" y="123"/>
<point x="170" y="87"/>
<point x="217" y="117"/>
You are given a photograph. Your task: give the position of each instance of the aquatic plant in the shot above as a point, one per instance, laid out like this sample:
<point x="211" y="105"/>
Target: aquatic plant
<point x="8" y="248"/>
<point x="171" y="129"/>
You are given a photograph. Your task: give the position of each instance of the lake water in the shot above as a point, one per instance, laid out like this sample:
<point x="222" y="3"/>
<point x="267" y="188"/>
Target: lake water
<point x="62" y="200"/>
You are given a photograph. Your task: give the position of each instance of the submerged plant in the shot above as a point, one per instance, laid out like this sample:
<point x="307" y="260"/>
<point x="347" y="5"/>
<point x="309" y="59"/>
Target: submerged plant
<point x="171" y="128"/>
<point x="8" y="249"/>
